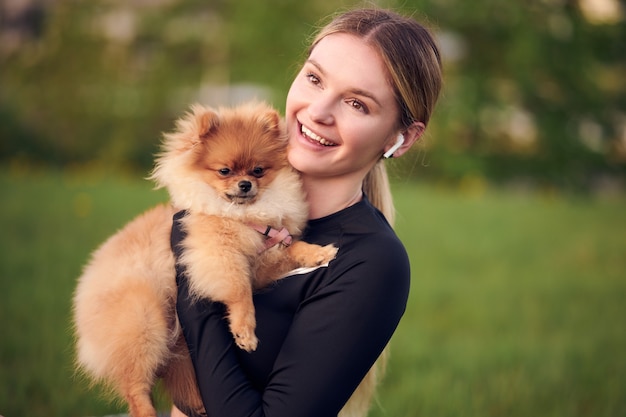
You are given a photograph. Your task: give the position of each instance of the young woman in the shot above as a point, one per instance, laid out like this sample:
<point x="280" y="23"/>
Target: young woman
<point x="365" y="92"/>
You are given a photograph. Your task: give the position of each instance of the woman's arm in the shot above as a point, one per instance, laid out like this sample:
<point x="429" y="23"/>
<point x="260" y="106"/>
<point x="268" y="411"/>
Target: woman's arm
<point x="335" y="337"/>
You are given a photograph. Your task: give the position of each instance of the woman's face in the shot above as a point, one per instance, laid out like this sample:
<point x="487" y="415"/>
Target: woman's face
<point x="341" y="112"/>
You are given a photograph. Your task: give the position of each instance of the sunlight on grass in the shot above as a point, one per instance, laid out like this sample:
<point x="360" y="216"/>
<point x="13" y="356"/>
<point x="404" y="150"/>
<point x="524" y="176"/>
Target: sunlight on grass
<point x="513" y="307"/>
<point x="516" y="303"/>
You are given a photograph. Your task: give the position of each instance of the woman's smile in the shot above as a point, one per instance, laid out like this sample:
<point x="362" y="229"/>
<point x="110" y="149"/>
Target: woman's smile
<point x="314" y="137"/>
<point x="340" y="115"/>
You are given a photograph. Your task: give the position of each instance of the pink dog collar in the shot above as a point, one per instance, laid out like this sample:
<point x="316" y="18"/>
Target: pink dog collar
<point x="273" y="236"/>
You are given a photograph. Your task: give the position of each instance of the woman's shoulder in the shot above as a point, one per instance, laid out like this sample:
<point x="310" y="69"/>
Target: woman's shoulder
<point x="369" y="227"/>
<point x="369" y="241"/>
<point x="380" y="246"/>
<point x="362" y="235"/>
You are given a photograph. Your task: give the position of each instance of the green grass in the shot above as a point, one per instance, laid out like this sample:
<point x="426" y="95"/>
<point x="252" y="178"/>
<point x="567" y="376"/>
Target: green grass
<point x="517" y="305"/>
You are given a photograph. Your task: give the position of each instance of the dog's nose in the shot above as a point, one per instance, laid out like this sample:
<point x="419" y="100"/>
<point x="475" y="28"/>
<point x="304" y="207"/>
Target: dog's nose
<point x="245" y="186"/>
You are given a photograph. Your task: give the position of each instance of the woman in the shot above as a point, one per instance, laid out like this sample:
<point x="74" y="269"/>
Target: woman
<point x="367" y="89"/>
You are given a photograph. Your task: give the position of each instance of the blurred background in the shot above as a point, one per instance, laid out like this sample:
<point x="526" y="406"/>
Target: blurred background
<point x="512" y="208"/>
<point x="535" y="91"/>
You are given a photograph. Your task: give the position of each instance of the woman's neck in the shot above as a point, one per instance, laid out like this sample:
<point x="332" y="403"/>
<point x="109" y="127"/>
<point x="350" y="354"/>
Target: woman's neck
<point x="328" y="196"/>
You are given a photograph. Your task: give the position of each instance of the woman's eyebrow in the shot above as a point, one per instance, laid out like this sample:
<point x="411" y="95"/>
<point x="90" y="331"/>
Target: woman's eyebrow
<point x="356" y="91"/>
<point x="316" y="65"/>
<point x="367" y="94"/>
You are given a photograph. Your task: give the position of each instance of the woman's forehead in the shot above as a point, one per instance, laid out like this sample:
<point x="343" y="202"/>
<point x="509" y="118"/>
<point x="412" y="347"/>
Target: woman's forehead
<point x="351" y="61"/>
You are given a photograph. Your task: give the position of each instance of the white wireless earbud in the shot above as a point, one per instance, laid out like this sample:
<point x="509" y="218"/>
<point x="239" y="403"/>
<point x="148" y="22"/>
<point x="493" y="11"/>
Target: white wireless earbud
<point x="399" y="142"/>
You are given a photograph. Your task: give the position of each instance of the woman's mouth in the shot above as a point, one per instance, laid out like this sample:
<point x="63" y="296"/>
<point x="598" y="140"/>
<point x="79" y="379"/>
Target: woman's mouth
<point x="312" y="136"/>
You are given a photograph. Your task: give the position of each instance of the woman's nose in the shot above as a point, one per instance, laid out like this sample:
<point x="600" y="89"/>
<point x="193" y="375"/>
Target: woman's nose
<point x="321" y="110"/>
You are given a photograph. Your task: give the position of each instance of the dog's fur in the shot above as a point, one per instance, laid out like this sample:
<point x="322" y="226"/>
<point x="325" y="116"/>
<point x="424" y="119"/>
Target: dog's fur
<point x="228" y="169"/>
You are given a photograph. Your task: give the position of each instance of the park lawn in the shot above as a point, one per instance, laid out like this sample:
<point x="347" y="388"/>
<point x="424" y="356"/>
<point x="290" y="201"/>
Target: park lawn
<point x="516" y="307"/>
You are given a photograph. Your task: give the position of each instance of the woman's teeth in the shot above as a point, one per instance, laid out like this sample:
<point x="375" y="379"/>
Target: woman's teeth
<point x="309" y="134"/>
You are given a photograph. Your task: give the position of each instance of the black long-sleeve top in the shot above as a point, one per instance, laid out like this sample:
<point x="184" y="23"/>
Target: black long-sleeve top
<point x="319" y="331"/>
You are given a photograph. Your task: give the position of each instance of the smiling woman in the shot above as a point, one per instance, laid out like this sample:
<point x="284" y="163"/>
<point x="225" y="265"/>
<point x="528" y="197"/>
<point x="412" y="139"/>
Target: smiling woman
<point x="367" y="89"/>
<point x="378" y="62"/>
<point x="346" y="113"/>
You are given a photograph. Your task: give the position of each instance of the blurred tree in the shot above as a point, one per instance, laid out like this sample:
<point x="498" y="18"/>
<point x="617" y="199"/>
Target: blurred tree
<point x="100" y="79"/>
<point x="533" y="89"/>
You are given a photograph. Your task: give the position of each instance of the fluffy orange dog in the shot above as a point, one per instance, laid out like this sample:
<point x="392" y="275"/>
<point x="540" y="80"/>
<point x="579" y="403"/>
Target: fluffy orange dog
<point x="229" y="170"/>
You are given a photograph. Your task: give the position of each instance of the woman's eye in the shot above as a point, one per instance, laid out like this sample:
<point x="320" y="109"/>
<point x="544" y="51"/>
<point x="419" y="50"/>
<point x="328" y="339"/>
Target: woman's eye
<point x="313" y="79"/>
<point x="357" y="105"/>
<point x="224" y="171"/>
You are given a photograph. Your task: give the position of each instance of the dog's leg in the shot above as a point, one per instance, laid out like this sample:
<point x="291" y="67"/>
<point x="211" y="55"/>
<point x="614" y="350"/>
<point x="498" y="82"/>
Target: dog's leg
<point x="130" y="332"/>
<point x="309" y="255"/>
<point x="227" y="279"/>
<point x="144" y="333"/>
<point x="243" y="322"/>
<point x="230" y="283"/>
<point x="219" y="268"/>
<point x="276" y="262"/>
<point x="180" y="379"/>
<point x="139" y="402"/>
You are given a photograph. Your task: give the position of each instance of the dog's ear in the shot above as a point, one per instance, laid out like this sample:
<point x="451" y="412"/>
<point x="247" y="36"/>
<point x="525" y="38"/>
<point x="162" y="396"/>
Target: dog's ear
<point x="207" y="122"/>
<point x="270" y="119"/>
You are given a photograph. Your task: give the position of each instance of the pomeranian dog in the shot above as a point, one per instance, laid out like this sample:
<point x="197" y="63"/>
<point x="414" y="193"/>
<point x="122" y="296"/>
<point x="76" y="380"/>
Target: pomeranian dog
<point x="228" y="169"/>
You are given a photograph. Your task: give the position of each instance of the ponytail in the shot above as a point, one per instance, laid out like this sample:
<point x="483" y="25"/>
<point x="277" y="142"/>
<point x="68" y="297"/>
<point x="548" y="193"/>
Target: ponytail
<point x="377" y="189"/>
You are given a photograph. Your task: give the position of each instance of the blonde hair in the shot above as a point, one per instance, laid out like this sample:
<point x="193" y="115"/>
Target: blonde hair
<point x="413" y="63"/>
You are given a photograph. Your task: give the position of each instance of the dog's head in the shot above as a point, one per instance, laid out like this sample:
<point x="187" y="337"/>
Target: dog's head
<point x="240" y="151"/>
<point x="230" y="154"/>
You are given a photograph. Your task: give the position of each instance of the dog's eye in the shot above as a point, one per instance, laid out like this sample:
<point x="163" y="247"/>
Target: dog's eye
<point x="224" y="171"/>
<point x="258" y="172"/>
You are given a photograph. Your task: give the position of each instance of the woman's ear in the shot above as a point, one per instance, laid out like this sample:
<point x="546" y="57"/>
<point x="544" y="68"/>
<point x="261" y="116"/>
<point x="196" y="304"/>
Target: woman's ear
<point x="411" y="135"/>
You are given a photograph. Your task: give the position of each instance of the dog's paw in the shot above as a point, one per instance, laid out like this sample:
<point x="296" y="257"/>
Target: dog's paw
<point x="309" y="255"/>
<point x="242" y="323"/>
<point x="324" y="254"/>
<point x="246" y="341"/>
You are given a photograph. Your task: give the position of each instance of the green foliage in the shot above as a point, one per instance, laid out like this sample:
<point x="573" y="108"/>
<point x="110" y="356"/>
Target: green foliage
<point x="515" y="307"/>
<point x="104" y="80"/>
<point x="533" y="90"/>
<point x="536" y="91"/>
